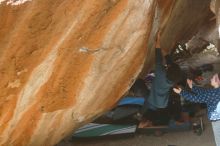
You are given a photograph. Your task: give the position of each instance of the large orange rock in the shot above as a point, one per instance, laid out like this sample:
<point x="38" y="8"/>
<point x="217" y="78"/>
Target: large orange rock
<point x="64" y="62"/>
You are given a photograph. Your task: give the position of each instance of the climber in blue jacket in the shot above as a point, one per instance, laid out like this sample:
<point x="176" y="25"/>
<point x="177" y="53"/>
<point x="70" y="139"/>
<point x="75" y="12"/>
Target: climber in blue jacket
<point x="165" y="78"/>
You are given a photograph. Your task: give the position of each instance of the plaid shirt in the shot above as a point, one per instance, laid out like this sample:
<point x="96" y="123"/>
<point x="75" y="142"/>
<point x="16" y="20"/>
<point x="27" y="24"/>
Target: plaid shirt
<point x="209" y="96"/>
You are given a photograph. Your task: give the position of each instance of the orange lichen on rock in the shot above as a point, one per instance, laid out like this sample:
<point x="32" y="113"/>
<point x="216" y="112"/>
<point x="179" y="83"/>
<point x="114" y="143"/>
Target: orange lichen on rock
<point x="64" y="62"/>
<point x="24" y="128"/>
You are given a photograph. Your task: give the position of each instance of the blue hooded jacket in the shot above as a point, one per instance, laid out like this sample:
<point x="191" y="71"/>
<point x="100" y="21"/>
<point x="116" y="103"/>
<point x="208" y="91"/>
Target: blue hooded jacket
<point x="159" y="93"/>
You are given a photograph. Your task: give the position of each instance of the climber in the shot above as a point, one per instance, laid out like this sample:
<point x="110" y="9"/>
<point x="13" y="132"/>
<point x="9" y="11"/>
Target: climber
<point x="165" y="78"/>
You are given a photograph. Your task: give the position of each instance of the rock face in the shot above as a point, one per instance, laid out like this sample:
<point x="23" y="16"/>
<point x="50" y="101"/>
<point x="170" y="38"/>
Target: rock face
<point x="64" y="62"/>
<point x="217" y="13"/>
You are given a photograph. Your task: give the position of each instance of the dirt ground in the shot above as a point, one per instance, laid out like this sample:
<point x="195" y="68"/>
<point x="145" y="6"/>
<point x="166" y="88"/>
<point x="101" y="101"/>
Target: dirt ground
<point x="186" y="138"/>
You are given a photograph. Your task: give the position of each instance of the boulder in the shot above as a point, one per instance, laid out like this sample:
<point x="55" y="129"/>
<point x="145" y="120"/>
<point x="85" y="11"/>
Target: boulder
<point x="65" y="62"/>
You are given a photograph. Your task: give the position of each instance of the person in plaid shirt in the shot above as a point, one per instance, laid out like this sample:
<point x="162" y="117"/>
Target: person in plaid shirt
<point x="209" y="96"/>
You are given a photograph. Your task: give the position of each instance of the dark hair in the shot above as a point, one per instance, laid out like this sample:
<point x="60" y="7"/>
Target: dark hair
<point x="139" y="88"/>
<point x="174" y="73"/>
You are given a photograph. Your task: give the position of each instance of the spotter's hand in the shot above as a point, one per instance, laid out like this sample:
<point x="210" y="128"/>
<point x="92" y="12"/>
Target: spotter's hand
<point x="189" y="82"/>
<point x="177" y="90"/>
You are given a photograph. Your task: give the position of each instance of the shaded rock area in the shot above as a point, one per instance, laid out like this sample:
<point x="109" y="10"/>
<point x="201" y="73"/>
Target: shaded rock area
<point x="65" y="62"/>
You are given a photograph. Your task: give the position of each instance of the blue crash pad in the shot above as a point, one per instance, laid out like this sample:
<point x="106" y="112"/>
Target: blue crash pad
<point x="131" y="100"/>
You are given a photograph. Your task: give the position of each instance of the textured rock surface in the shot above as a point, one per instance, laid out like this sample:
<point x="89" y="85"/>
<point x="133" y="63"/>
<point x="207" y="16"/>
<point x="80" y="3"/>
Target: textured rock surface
<point x="64" y="62"/>
<point x="179" y="21"/>
<point x="217" y="12"/>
